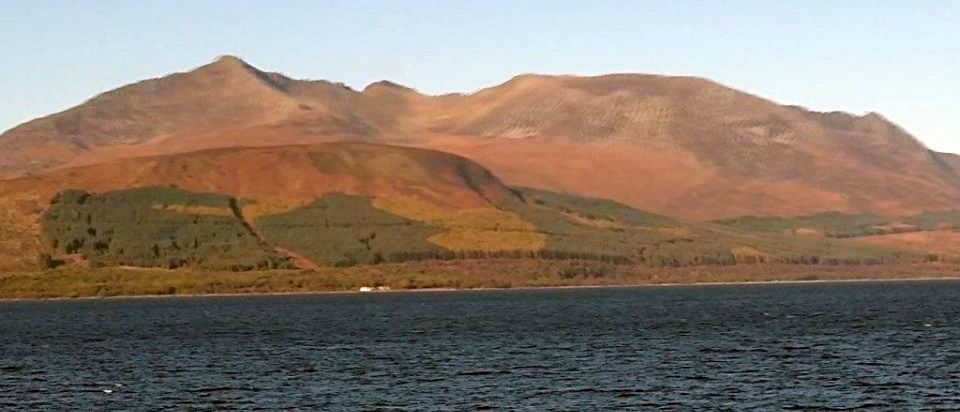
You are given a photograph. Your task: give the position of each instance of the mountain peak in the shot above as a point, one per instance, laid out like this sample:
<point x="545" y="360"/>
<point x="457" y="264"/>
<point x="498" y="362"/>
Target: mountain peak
<point x="229" y="59"/>
<point x="229" y="64"/>
<point x="723" y="152"/>
<point x="386" y="84"/>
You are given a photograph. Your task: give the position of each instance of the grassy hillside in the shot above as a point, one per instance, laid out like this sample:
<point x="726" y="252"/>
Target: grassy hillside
<point x="166" y="227"/>
<point x="830" y="224"/>
<point x="342" y="230"/>
<point x="19" y="225"/>
<point x="346" y="230"/>
<point x="265" y="181"/>
<point x="594" y="225"/>
<point x="841" y="225"/>
<point x="355" y="204"/>
<point x="935" y="220"/>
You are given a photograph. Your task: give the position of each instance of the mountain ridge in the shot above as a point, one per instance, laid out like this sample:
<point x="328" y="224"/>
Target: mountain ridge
<point x="702" y="149"/>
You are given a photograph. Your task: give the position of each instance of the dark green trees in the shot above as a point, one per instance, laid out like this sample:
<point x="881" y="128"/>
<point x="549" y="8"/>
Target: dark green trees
<point x="155" y="227"/>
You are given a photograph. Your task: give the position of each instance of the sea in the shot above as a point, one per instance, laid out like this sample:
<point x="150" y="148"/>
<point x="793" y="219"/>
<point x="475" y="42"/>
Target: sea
<point x="816" y="346"/>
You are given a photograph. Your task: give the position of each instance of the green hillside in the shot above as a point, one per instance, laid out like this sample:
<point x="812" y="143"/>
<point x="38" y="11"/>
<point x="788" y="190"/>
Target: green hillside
<point x="839" y="225"/>
<point x="171" y="228"/>
<point x="654" y="240"/>
<point x="830" y="224"/>
<point x="155" y="227"/>
<point x="935" y="220"/>
<point x="341" y="230"/>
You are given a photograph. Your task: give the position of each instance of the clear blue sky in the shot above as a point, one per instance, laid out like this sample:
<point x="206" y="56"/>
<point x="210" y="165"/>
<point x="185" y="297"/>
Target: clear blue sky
<point x="899" y="58"/>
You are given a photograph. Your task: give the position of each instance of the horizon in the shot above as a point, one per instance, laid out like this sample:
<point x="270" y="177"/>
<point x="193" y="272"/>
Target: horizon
<point x="835" y="63"/>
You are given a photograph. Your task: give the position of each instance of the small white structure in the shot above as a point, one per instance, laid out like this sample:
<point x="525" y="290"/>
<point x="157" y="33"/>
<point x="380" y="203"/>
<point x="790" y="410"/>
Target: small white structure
<point x="366" y="289"/>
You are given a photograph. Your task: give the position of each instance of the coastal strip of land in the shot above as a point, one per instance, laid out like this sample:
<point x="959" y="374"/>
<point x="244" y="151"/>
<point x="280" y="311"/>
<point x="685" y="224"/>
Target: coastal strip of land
<point x="431" y="276"/>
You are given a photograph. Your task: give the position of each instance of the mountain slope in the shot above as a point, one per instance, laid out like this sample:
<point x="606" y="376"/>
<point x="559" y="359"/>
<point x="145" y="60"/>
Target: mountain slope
<point x="682" y="146"/>
<point x="949" y="160"/>
<point x="227" y="93"/>
<point x="338" y="204"/>
<point x="253" y="182"/>
<point x="720" y="152"/>
<point x="287" y="175"/>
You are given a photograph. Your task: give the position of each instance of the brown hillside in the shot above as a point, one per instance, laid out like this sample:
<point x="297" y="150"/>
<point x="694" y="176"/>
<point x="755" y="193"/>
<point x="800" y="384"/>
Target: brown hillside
<point x="945" y="243"/>
<point x="682" y="146"/>
<point x="751" y="156"/>
<point x="951" y="161"/>
<point x="287" y="175"/>
<point x="267" y="180"/>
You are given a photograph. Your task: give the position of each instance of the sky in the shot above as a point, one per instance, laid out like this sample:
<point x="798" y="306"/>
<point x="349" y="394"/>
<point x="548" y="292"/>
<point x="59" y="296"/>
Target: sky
<point x="898" y="58"/>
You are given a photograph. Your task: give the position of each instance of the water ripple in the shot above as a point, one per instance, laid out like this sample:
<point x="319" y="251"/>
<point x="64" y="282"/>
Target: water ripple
<point x="812" y="347"/>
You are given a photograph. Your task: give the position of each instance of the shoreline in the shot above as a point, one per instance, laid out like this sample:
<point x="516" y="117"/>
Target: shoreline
<point x="486" y="289"/>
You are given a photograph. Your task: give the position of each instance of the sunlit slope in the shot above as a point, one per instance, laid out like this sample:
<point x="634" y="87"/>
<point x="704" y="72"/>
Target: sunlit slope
<point x="346" y="204"/>
<point x="681" y="146"/>
<point x="19" y="228"/>
<point x="933" y="234"/>
<point x="261" y="182"/>
<point x="839" y="225"/>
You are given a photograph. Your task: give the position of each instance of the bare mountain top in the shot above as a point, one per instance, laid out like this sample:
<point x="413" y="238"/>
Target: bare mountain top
<point x="679" y="145"/>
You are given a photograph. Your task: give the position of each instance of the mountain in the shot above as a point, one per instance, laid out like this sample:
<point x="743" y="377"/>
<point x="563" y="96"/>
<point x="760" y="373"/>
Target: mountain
<point x="346" y="204"/>
<point x="287" y="175"/>
<point x="681" y="146"/>
<point x="695" y="149"/>
<point x="75" y="209"/>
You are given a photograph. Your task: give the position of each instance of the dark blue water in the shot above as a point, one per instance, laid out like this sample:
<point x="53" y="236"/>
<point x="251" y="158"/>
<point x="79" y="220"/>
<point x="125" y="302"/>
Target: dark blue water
<point x="824" y="346"/>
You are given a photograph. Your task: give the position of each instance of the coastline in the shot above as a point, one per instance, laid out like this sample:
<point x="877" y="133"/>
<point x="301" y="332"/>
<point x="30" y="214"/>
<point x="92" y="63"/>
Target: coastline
<point x="488" y="289"/>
